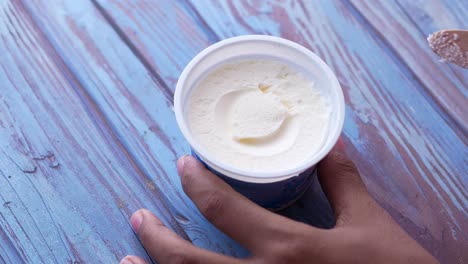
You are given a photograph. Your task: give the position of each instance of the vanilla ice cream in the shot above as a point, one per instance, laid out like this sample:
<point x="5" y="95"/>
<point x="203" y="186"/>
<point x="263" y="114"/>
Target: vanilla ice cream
<point x="258" y="115"/>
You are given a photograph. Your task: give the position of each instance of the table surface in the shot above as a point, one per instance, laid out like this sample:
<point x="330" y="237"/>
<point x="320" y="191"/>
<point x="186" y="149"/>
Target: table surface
<point x="88" y="135"/>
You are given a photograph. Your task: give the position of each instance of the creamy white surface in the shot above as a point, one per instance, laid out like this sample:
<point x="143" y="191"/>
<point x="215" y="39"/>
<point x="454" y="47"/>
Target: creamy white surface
<point x="258" y="115"/>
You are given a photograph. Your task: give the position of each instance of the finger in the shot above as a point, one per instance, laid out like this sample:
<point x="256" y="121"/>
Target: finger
<point x="342" y="185"/>
<point x="241" y="219"/>
<point x="165" y="246"/>
<point x="132" y="260"/>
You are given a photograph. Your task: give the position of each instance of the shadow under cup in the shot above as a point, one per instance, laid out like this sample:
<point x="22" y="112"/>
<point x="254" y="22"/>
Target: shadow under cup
<point x="272" y="190"/>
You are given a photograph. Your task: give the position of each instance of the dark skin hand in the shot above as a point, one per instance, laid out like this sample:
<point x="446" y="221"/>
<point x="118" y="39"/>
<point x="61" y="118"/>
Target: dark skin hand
<point x="364" y="232"/>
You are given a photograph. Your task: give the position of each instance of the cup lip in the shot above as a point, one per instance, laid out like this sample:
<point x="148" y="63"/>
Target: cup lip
<point x="244" y="175"/>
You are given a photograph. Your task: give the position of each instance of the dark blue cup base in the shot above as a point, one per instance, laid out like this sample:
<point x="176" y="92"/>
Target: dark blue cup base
<point x="274" y="196"/>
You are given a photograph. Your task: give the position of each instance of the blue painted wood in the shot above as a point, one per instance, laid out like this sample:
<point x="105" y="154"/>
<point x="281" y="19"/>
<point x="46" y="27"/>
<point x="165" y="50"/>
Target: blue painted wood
<point x="134" y="104"/>
<point x="441" y="83"/>
<point x="434" y="15"/>
<point x="55" y="163"/>
<point x="162" y="33"/>
<point x="92" y="84"/>
<point x="114" y="152"/>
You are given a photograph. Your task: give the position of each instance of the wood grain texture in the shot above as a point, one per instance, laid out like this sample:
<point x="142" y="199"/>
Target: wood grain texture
<point x="163" y="33"/>
<point x="113" y="152"/>
<point x="55" y="163"/>
<point x="87" y="134"/>
<point x="133" y="101"/>
<point x="434" y="15"/>
<point x="440" y="82"/>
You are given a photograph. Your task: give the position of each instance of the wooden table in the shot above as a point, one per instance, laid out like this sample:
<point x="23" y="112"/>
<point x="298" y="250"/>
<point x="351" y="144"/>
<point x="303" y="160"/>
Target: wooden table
<point x="88" y="135"/>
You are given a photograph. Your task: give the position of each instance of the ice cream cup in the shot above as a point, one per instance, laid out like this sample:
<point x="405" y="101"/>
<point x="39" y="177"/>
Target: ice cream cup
<point x="272" y="190"/>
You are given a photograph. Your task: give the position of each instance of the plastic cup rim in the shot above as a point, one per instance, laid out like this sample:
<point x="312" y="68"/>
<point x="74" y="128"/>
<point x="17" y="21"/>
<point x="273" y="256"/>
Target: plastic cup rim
<point x="245" y="175"/>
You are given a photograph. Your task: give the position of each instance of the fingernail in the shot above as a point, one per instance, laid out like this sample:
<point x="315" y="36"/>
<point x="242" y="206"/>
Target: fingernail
<point x="136" y="220"/>
<point x="126" y="260"/>
<point x="180" y="164"/>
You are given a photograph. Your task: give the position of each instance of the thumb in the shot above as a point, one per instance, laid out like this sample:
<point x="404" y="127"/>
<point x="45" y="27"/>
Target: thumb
<point x="343" y="186"/>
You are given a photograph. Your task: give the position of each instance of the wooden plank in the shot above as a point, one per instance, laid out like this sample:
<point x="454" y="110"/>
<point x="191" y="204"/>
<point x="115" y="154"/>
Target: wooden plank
<point x="164" y="34"/>
<point x="440" y="82"/>
<point x="412" y="158"/>
<point x="70" y="90"/>
<point x="433" y="15"/>
<point x="55" y="163"/>
<point x="135" y="103"/>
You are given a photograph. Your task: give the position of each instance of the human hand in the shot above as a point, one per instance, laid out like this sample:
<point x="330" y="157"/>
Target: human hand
<point x="364" y="232"/>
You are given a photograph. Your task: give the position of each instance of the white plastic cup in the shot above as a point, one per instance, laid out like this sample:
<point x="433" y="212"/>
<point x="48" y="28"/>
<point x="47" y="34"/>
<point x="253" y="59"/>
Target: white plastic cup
<point x="278" y="189"/>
